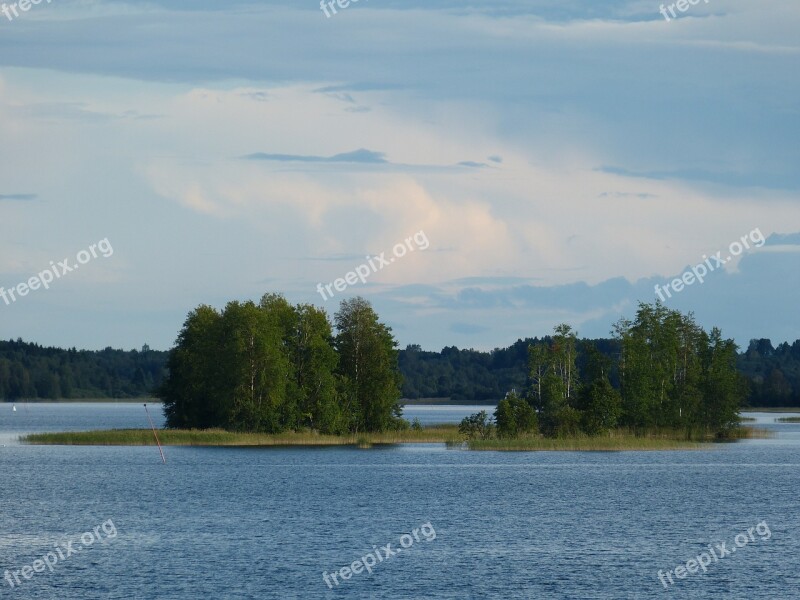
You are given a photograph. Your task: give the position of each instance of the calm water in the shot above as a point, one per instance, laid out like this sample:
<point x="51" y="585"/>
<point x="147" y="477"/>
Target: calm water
<point x="265" y="523"/>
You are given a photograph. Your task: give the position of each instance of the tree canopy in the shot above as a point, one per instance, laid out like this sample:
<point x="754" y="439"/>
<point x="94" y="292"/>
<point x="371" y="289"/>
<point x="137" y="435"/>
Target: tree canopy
<point x="273" y="367"/>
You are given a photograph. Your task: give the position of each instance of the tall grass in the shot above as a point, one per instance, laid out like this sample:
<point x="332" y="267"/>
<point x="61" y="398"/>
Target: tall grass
<point x="220" y="437"/>
<point x="583" y="444"/>
<point x="616" y="440"/>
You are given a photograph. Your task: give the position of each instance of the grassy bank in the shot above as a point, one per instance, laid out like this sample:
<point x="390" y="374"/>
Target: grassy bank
<point x="615" y="441"/>
<point x="219" y="437"/>
<point x="788" y="420"/>
<point x="448" y="434"/>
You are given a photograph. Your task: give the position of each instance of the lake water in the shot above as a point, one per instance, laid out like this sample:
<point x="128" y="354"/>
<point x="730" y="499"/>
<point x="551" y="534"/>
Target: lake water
<point x="266" y="523"/>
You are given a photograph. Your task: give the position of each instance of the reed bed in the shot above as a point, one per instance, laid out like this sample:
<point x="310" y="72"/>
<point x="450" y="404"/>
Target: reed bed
<point x="220" y="437"/>
<point x="617" y="440"/>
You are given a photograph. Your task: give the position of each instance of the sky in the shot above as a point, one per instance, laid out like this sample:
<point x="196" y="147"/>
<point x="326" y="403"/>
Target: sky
<point x="555" y="159"/>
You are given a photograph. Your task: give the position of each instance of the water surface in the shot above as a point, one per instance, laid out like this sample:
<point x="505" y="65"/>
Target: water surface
<point x="266" y="522"/>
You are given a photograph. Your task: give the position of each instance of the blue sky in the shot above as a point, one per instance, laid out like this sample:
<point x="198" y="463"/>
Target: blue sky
<point x="562" y="157"/>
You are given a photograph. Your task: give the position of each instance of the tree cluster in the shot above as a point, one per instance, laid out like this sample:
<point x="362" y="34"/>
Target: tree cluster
<point x="272" y="367"/>
<point x="674" y="374"/>
<point x="671" y="374"/>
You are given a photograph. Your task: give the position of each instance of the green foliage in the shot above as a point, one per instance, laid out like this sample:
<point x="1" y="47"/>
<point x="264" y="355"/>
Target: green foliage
<point x="189" y="393"/>
<point x="505" y="418"/>
<point x="463" y="375"/>
<point x="772" y="374"/>
<point x="674" y="375"/>
<point x="368" y="367"/>
<point x="600" y="403"/>
<point x="723" y="388"/>
<point x="30" y="371"/>
<point x="514" y="417"/>
<point x="477" y="426"/>
<point x="602" y="408"/>
<point x="554" y="379"/>
<point x="566" y="423"/>
<point x="274" y="367"/>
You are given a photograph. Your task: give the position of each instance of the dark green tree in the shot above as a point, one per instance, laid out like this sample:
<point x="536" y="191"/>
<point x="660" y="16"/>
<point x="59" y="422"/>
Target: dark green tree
<point x="253" y="369"/>
<point x="368" y="367"/>
<point x="600" y="403"/>
<point x="477" y="426"/>
<point x="514" y="416"/>
<point x="724" y="389"/>
<point x="189" y="394"/>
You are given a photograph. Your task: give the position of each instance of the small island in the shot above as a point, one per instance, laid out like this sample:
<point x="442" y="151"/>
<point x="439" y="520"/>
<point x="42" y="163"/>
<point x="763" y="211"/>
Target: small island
<point x="274" y="374"/>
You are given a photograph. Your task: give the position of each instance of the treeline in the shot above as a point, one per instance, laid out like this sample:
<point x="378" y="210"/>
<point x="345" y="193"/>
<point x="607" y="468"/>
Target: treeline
<point x="31" y="371"/>
<point x="672" y="375"/>
<point x="772" y="374"/>
<point x="474" y="376"/>
<point x="272" y="367"/>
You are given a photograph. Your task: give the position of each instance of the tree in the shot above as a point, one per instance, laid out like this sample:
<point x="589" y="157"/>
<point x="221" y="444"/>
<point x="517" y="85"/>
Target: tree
<point x="651" y="376"/>
<point x="538" y="366"/>
<point x="476" y="426"/>
<point x="505" y="418"/>
<point x="314" y="361"/>
<point x="603" y="407"/>
<point x="723" y="390"/>
<point x="514" y="416"/>
<point x="368" y="367"/>
<point x="253" y="368"/>
<point x="563" y="356"/>
<point x="189" y="394"/>
<point x="600" y="403"/>
<point x="554" y="377"/>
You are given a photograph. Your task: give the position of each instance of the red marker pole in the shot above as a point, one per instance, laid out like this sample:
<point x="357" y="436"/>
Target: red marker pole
<point x="155" y="434"/>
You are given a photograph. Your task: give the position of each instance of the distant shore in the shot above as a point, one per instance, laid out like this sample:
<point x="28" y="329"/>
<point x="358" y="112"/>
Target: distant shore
<point x="141" y="400"/>
<point x="148" y="400"/>
<point x="403" y="402"/>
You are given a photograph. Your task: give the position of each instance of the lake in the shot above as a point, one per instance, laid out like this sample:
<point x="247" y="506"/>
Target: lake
<point x="268" y="522"/>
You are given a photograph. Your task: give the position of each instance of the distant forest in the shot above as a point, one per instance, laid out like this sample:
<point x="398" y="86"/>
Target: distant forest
<point x="30" y="371"/>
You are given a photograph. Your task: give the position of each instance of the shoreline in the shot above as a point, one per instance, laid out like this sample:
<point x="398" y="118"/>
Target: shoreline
<point x="442" y="434"/>
<point x="436" y="402"/>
